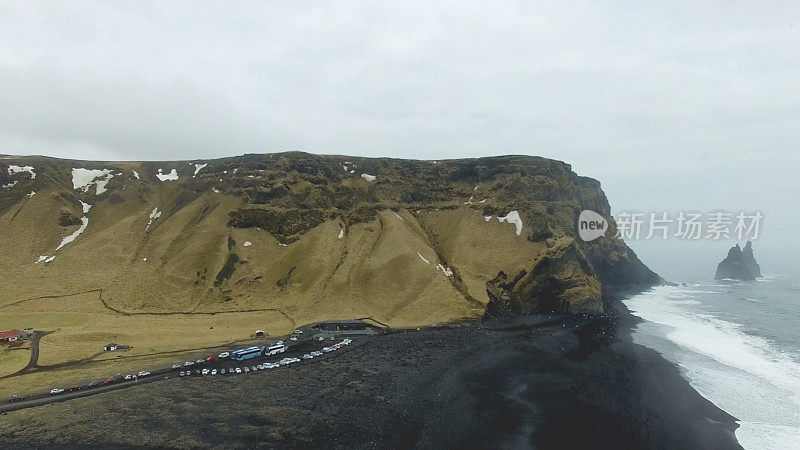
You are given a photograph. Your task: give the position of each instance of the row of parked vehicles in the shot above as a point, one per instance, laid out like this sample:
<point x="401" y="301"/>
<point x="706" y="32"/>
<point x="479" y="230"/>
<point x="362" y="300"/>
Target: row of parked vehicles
<point x="78" y="387"/>
<point x="237" y="355"/>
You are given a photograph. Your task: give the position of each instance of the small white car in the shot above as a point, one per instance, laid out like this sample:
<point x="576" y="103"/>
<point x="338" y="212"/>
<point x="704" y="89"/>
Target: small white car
<point x="224" y="354"/>
<point x="144" y="373"/>
<point x="205" y="371"/>
<point x="326" y="350"/>
<point x="298" y="331"/>
<point x="293" y="338"/>
<point x="128" y="377"/>
<point x="188" y="363"/>
<point x="321" y="339"/>
<point x="222" y="371"/>
<point x="279" y="343"/>
<point x="182" y="374"/>
<point x="56" y="391"/>
<point x="176" y="366"/>
<point x="238" y="370"/>
<point x="214" y="372"/>
<point x="200" y="361"/>
<point x="308" y="356"/>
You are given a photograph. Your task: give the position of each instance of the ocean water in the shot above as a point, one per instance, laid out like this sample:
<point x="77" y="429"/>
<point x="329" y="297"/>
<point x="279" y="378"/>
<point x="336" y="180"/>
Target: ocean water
<point x="737" y="343"/>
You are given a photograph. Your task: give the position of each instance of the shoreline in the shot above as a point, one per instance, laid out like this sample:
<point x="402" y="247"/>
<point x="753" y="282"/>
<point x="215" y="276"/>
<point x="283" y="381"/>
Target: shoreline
<point x="559" y="382"/>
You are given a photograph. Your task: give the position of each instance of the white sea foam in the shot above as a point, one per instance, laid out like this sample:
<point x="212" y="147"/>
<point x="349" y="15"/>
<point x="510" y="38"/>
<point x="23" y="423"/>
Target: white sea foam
<point x="743" y="374"/>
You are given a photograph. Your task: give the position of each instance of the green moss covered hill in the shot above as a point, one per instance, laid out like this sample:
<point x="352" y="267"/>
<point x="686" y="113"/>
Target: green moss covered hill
<point x="405" y="242"/>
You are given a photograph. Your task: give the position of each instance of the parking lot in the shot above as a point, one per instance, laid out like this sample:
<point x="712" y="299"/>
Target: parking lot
<point x="303" y="346"/>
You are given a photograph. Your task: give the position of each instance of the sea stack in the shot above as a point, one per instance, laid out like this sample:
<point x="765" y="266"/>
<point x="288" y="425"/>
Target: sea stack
<point x="739" y="264"/>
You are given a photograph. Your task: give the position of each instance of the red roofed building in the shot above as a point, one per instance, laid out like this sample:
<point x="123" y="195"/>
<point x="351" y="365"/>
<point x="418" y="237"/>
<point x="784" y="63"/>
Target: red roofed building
<point x="9" y="336"/>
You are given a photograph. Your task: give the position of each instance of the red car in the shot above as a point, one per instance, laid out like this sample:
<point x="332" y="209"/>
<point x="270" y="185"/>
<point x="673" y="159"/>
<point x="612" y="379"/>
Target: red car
<point x="209" y="359"/>
<point x="111" y="380"/>
<point x="74" y="388"/>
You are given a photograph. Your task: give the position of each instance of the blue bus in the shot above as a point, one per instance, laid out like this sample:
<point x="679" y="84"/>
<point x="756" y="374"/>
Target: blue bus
<point x="246" y="353"/>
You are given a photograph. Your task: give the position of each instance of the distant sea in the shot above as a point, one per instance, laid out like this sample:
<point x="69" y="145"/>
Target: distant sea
<point x="737" y="343"/>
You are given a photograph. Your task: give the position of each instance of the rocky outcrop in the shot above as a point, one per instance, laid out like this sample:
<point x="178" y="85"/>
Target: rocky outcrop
<point x="739" y="264"/>
<point x="561" y="282"/>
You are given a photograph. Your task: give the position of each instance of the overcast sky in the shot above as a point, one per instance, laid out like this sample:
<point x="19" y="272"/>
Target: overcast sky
<point x="673" y="106"/>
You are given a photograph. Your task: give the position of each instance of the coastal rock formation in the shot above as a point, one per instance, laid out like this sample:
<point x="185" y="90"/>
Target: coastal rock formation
<point x="739" y="264"/>
<point x="562" y="281"/>
<point x="311" y="237"/>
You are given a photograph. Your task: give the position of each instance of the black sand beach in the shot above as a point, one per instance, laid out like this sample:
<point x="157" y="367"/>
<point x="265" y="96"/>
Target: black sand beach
<point x="565" y="383"/>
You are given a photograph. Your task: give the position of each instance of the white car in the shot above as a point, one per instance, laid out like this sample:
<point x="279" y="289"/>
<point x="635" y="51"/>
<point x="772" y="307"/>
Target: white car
<point x="326" y="350"/>
<point x="316" y="353"/>
<point x="182" y="374"/>
<point x="200" y="361"/>
<point x="188" y="363"/>
<point x="222" y="371"/>
<point x="279" y="343"/>
<point x="321" y="339"/>
<point x="298" y="331"/>
<point x="176" y="366"/>
<point x="308" y="356"/>
<point x="238" y="370"/>
<point x="56" y="391"/>
<point x="224" y="354"/>
<point x="205" y="371"/>
<point x="128" y="377"/>
<point x="144" y="373"/>
<point x="293" y="338"/>
<point x="214" y="372"/>
<point x="261" y="367"/>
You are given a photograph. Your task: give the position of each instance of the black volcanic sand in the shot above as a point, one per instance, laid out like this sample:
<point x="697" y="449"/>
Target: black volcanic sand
<point x="561" y="384"/>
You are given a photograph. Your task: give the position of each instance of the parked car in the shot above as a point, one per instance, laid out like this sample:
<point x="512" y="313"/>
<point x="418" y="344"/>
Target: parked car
<point x="238" y="370"/>
<point x="205" y="371"/>
<point x="246" y="369"/>
<point x="128" y="377"/>
<point x="55" y="391"/>
<point x="182" y="374"/>
<point x="214" y="372"/>
<point x="110" y="380"/>
<point x="210" y="358"/>
<point x="199" y="361"/>
<point x="253" y="368"/>
<point x="176" y="366"/>
<point x="188" y="363"/>
<point x="143" y="373"/>
<point x="224" y="355"/>
<point x="74" y="388"/>
<point x="17" y="398"/>
<point x="321" y="339"/>
<point x="298" y="331"/>
<point x="222" y="371"/>
<point x="293" y="338"/>
<point x="326" y="350"/>
<point x="279" y="343"/>
<point x="308" y="356"/>
<point x="94" y="384"/>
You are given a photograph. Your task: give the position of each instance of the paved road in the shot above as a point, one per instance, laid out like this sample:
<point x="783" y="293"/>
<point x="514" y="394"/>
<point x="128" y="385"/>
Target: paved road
<point x="34" y="355"/>
<point x="304" y="344"/>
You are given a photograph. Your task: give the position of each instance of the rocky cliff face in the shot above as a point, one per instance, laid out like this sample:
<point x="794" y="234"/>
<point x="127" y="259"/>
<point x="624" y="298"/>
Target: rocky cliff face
<point x="739" y="264"/>
<point x="311" y="236"/>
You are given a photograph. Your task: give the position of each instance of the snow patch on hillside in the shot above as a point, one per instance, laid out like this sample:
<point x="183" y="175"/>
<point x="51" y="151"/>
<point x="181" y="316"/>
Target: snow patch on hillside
<point x="512" y="217"/>
<point x="17" y="169"/>
<point x="445" y="270"/>
<point x="247" y="243"/>
<point x="171" y="176"/>
<point x="9" y="185"/>
<point x="423" y="258"/>
<point x="73" y="236"/>
<point x="198" y="168"/>
<point x="368" y="177"/>
<point x="155" y="214"/>
<point x="86" y="207"/>
<point x="341" y="233"/>
<point x="84" y="178"/>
